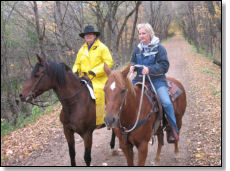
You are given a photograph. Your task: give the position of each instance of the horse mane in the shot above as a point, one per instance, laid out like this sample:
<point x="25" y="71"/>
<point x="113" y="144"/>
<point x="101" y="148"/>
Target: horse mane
<point x="54" y="70"/>
<point x="118" y="76"/>
<point x="57" y="71"/>
<point x="130" y="86"/>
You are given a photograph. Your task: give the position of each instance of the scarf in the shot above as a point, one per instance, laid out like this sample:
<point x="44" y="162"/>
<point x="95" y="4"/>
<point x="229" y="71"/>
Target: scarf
<point x="89" y="46"/>
<point x="151" y="48"/>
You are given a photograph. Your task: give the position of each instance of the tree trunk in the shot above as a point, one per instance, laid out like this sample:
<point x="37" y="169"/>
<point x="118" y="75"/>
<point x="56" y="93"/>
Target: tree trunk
<point x="133" y="32"/>
<point x="123" y="25"/>
<point x="41" y="34"/>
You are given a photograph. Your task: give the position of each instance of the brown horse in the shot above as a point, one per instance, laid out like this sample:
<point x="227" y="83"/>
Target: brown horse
<point x="122" y="105"/>
<point x="78" y="112"/>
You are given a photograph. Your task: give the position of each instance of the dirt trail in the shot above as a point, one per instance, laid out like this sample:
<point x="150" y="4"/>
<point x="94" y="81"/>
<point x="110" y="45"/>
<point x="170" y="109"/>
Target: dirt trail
<point x="182" y="62"/>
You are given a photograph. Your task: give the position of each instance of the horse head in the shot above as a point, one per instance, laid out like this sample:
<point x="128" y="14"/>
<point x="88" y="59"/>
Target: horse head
<point x="116" y="89"/>
<point x="42" y="78"/>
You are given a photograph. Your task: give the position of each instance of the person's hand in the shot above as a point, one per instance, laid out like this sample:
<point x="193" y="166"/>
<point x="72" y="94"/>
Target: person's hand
<point x="91" y="73"/>
<point x="145" y="70"/>
<point x="131" y="69"/>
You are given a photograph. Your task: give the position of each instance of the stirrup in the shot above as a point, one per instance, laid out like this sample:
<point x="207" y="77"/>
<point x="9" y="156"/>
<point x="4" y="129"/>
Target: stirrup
<point x="171" y="137"/>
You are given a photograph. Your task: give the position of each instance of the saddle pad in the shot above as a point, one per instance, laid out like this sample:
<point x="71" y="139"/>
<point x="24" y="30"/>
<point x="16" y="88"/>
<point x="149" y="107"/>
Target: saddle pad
<point x="90" y="89"/>
<point x="174" y="90"/>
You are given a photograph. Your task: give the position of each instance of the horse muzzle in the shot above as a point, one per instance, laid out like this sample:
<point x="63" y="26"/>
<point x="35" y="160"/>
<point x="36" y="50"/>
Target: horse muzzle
<point x="27" y="98"/>
<point x="111" y="121"/>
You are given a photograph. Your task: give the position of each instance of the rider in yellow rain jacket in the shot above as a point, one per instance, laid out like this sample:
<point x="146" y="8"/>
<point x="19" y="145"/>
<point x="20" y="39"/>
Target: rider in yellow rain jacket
<point x="91" y="57"/>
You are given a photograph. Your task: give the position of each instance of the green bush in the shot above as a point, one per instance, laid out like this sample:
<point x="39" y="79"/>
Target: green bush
<point x="22" y="120"/>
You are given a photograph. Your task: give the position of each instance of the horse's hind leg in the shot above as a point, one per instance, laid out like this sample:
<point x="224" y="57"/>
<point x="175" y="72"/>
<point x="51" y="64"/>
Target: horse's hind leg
<point x="179" y="124"/>
<point x="88" y="145"/>
<point x="69" y="135"/>
<point x="176" y="150"/>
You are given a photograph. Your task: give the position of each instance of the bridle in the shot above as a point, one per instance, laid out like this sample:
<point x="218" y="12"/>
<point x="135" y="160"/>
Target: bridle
<point x="37" y="82"/>
<point x="135" y="125"/>
<point x="122" y="104"/>
<point x="32" y="93"/>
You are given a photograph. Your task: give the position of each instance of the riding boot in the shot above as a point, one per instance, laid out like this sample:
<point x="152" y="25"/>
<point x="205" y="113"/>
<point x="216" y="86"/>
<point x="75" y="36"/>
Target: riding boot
<point x="172" y="136"/>
<point x="175" y="134"/>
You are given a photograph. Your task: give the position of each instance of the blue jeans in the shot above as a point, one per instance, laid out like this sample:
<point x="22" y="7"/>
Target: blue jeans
<point x="167" y="105"/>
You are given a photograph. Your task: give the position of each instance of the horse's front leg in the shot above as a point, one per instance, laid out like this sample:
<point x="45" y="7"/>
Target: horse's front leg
<point x="87" y="137"/>
<point x="142" y="153"/>
<point x="69" y="135"/>
<point x="112" y="142"/>
<point x="160" y="138"/>
<point x="127" y="148"/>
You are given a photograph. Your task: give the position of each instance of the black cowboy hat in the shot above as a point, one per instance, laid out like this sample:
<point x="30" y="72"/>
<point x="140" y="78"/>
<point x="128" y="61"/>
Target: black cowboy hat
<point x="89" y="29"/>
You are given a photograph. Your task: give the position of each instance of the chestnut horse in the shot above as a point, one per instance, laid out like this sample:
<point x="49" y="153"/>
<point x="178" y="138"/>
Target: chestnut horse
<point x="122" y="105"/>
<point x="78" y="112"/>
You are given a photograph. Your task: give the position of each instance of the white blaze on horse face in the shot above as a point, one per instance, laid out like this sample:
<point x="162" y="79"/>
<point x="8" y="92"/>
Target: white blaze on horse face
<point x="113" y="86"/>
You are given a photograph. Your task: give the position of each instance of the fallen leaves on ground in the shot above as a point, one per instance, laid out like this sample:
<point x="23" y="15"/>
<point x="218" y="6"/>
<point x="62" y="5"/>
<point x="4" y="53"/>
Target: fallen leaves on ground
<point x="205" y="131"/>
<point x="21" y="143"/>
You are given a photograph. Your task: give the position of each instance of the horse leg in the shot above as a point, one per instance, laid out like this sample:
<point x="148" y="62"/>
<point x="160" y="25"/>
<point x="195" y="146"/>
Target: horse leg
<point x="142" y="153"/>
<point x="69" y="135"/>
<point x="176" y="150"/>
<point x="128" y="151"/>
<point x="88" y="145"/>
<point x="160" y="139"/>
<point x="112" y="142"/>
<point x="179" y="124"/>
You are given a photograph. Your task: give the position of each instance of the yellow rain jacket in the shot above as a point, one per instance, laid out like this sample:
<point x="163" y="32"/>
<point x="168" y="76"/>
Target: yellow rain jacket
<point x="94" y="60"/>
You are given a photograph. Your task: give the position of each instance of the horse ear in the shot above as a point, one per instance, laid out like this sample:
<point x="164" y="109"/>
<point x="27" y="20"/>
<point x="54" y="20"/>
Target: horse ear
<point x="41" y="59"/>
<point x="106" y="68"/>
<point x="126" y="71"/>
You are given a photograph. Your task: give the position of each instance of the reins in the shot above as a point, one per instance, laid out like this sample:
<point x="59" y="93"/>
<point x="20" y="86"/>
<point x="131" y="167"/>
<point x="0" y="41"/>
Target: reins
<point x="35" y="103"/>
<point x="125" y="130"/>
<point x="139" y="109"/>
<point x="67" y="98"/>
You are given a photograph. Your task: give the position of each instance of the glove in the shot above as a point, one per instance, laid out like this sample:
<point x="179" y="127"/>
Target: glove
<point x="91" y="73"/>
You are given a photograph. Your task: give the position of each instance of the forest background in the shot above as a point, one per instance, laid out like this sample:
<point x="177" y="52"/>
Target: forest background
<point x="52" y="28"/>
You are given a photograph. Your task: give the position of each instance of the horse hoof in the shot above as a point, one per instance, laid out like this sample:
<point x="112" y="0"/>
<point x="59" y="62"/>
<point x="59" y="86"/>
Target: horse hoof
<point x="114" y="152"/>
<point x="120" y="151"/>
<point x="177" y="157"/>
<point x="153" y="163"/>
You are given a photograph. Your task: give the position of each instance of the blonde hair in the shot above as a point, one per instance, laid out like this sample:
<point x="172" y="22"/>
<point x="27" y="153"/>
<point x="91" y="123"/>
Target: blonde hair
<point x="148" y="29"/>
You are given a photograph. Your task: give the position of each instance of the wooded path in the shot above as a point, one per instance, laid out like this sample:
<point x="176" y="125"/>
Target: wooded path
<point x="44" y="144"/>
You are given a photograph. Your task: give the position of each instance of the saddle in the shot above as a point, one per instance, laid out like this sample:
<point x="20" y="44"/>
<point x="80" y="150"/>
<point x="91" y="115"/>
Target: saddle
<point x="161" y="119"/>
<point x="156" y="105"/>
<point x="87" y="82"/>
